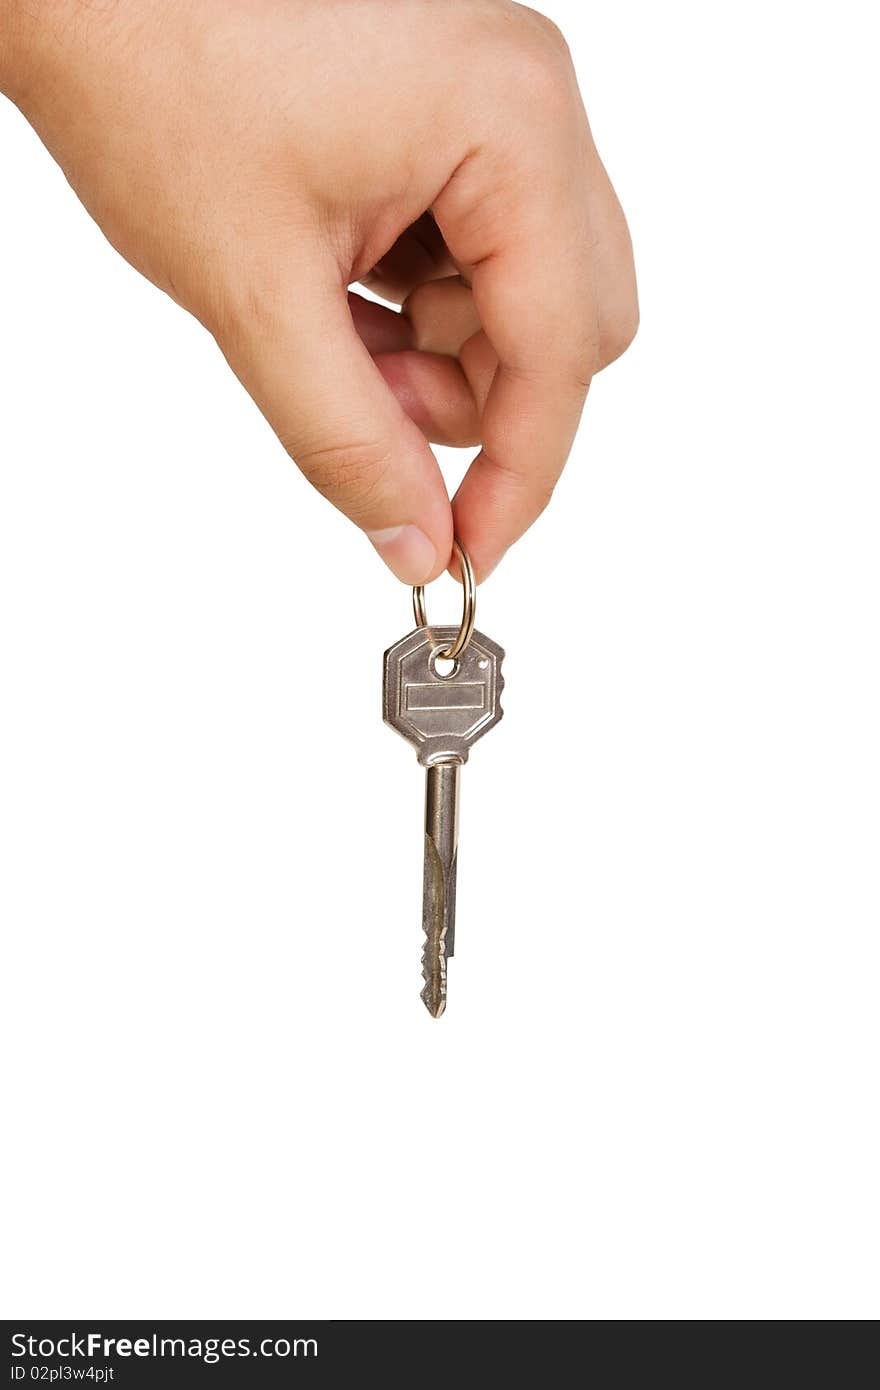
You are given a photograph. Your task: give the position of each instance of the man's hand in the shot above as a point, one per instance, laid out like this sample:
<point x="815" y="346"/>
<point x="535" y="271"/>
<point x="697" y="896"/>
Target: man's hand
<point x="255" y="157"/>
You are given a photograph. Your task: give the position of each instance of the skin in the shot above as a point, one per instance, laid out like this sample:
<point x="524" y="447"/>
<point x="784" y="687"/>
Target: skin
<point x="255" y="158"/>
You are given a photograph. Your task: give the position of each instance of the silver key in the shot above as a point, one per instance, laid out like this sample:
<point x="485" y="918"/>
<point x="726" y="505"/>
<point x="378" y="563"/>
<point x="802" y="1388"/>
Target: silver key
<point x="441" y="715"/>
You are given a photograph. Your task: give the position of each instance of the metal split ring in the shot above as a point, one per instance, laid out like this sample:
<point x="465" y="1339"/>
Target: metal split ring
<point x="469" y="611"/>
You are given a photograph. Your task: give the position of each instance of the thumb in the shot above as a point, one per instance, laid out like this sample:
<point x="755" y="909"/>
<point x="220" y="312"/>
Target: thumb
<point x="299" y="356"/>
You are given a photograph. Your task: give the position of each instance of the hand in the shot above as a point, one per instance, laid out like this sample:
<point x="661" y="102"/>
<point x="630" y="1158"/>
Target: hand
<point x="254" y="158"/>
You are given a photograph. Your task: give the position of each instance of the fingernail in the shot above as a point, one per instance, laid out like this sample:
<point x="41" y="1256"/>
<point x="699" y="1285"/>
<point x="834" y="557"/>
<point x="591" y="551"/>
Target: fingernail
<point x="406" y="551"/>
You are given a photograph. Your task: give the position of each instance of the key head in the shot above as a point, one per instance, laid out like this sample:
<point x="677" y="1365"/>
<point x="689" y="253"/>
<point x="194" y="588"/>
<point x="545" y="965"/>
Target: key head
<point x="442" y="715"/>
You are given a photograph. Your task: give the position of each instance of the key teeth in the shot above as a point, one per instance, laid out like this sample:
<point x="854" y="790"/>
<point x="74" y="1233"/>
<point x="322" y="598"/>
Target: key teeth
<point x="433" y="995"/>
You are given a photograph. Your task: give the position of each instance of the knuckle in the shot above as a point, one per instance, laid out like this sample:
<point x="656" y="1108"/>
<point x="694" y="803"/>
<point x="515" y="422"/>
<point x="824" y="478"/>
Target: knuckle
<point x="351" y="475"/>
<point x="534" y="486"/>
<point x="578" y="364"/>
<point x="421" y="308"/>
<point x="551" y="33"/>
<point x="543" y="50"/>
<point x="530" y="50"/>
<point x="242" y="309"/>
<point x="584" y="359"/>
<point x="541" y="495"/>
<point x="441" y="315"/>
<point x="582" y="367"/>
<point x="540" y="74"/>
<point x="619" y="334"/>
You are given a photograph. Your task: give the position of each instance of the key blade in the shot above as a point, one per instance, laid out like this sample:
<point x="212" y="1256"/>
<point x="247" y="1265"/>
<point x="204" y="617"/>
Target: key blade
<point x="441" y="865"/>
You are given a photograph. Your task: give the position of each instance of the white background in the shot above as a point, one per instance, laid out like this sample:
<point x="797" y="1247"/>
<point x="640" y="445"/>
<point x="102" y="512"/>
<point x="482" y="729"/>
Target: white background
<point x="654" y="1092"/>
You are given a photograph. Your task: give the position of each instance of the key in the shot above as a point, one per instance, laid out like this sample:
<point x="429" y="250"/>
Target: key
<point x="442" y="713"/>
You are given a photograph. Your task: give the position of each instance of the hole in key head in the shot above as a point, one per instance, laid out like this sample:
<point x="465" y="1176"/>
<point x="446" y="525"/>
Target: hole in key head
<point x="442" y="665"/>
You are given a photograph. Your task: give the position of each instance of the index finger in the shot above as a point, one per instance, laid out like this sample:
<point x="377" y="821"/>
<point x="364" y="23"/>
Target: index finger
<point x="529" y="249"/>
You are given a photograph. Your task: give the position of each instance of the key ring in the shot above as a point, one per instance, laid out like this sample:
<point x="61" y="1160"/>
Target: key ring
<point x="469" y="611"/>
